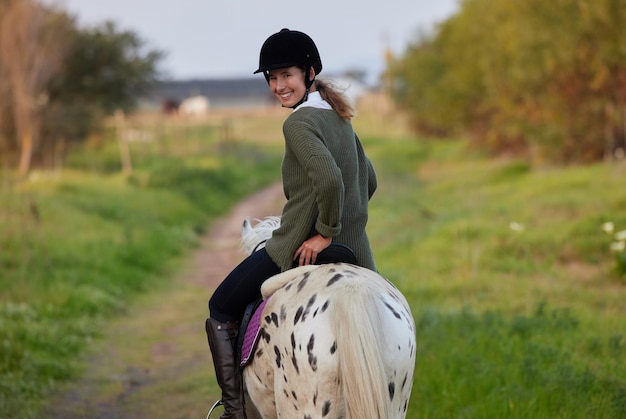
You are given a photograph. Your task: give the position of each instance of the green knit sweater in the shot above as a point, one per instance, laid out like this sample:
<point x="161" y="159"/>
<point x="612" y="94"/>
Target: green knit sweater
<point x="328" y="181"/>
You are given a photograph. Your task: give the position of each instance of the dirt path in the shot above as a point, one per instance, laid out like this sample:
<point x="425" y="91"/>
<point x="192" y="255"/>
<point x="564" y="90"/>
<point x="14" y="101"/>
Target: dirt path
<point x="155" y="362"/>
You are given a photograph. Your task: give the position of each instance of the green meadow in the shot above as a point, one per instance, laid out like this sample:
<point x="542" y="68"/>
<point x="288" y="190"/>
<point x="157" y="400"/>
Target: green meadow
<point x="79" y="245"/>
<point x="519" y="300"/>
<point x="518" y="297"/>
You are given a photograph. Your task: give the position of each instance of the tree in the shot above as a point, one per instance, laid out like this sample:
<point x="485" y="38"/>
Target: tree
<point x="106" y="70"/>
<point x="542" y="77"/>
<point x="33" y="43"/>
<point x="4" y="92"/>
<point x="58" y="81"/>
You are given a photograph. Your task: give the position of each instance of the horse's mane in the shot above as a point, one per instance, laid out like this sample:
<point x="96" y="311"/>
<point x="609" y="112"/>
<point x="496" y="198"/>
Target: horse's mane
<point x="253" y="236"/>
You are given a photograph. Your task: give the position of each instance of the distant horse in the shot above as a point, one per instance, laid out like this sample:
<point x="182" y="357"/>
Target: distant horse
<point x="170" y="106"/>
<point x="335" y="341"/>
<point x="195" y="106"/>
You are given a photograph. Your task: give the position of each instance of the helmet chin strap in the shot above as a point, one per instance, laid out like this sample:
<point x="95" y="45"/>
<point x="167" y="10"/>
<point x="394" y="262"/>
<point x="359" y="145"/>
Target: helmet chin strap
<point x="304" y="99"/>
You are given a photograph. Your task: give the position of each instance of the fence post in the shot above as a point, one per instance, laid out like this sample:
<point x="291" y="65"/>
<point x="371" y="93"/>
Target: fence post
<point x="122" y="140"/>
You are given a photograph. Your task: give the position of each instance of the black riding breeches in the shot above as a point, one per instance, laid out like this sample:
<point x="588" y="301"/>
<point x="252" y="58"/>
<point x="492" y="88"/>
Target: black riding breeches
<point x="241" y="287"/>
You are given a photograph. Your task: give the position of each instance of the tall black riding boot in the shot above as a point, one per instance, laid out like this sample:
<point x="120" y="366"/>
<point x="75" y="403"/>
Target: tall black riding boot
<point x="222" y="338"/>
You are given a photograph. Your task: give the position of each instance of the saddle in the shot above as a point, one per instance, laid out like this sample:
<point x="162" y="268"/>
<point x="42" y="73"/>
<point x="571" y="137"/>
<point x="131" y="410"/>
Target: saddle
<point x="250" y="325"/>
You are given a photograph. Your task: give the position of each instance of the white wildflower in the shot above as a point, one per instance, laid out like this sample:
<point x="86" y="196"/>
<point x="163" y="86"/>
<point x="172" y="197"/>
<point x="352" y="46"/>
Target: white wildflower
<point x="515" y="226"/>
<point x="618" y="246"/>
<point x="620" y="235"/>
<point x="608" y="227"/>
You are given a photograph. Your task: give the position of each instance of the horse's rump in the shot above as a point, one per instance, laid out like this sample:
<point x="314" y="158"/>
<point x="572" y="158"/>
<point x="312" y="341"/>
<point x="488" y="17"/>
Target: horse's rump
<point x="330" y="347"/>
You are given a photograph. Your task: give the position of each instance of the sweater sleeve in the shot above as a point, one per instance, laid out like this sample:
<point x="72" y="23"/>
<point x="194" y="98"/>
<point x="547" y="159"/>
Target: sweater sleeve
<point x="329" y="194"/>
<point x="372" y="181"/>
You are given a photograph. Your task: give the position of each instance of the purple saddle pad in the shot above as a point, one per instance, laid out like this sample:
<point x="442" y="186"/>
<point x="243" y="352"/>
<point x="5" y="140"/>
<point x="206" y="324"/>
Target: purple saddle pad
<point x="251" y="337"/>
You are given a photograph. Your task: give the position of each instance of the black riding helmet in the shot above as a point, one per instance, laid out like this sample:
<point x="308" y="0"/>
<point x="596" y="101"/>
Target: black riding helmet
<point x="289" y="48"/>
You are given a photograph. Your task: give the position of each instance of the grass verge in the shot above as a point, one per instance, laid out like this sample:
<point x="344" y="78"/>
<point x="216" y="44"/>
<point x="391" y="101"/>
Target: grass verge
<point x="517" y="295"/>
<point x="78" y="247"/>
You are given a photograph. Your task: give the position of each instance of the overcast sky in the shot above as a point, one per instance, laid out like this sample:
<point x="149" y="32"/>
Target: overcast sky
<point x="222" y="39"/>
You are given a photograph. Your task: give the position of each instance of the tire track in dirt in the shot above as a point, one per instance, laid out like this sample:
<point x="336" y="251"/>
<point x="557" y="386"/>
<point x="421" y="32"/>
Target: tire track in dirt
<point x="154" y="362"/>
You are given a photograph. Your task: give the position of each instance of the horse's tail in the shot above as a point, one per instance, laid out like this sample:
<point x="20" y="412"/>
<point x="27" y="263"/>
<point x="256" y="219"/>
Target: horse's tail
<point x="360" y="335"/>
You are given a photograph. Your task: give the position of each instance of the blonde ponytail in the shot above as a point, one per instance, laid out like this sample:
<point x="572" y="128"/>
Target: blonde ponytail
<point x="336" y="98"/>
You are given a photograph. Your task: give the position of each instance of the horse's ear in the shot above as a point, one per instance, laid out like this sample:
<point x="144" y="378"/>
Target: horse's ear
<point x="245" y="229"/>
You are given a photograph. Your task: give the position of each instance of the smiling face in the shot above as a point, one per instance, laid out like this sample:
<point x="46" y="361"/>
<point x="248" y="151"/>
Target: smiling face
<point x="287" y="84"/>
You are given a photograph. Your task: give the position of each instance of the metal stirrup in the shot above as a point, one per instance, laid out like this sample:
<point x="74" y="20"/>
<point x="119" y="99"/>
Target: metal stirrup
<point x="217" y="403"/>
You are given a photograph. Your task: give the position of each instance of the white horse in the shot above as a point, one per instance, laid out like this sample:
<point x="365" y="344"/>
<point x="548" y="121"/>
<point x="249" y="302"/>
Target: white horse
<point x="336" y="341"/>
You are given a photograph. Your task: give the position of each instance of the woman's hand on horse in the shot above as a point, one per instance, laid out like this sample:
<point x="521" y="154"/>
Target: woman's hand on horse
<point x="308" y="251"/>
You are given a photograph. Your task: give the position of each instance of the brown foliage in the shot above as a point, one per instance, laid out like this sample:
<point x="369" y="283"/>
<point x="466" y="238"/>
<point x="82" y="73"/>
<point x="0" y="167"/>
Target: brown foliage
<point x="32" y="48"/>
<point x="544" y="78"/>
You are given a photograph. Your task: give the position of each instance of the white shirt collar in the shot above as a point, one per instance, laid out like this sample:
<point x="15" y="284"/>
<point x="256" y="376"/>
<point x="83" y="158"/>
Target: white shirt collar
<point x="314" y="101"/>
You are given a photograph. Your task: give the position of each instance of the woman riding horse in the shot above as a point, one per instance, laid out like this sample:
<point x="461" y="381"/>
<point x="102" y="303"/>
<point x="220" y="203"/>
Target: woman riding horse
<point x="327" y="180"/>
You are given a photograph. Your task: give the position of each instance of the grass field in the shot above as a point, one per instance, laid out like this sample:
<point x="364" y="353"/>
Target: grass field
<point x="79" y="245"/>
<point x="519" y="300"/>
